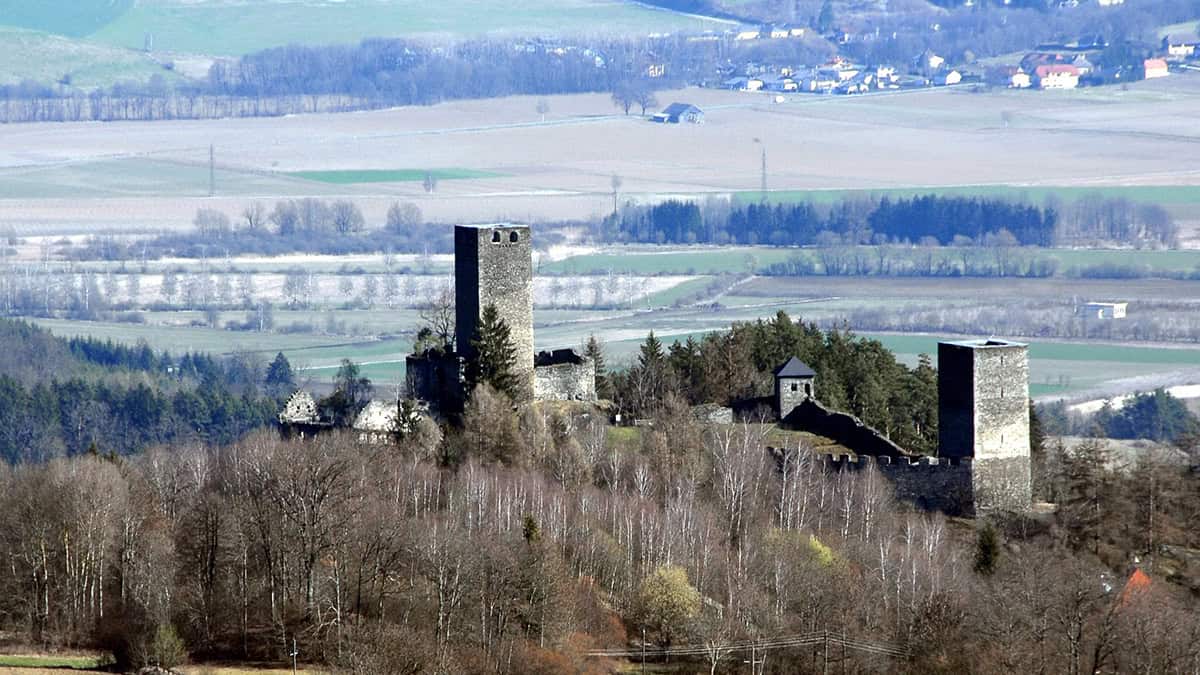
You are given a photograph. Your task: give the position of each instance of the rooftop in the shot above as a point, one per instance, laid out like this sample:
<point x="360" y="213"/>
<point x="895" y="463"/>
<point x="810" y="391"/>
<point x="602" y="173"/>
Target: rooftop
<point x="795" y="368"/>
<point x="983" y="344"/>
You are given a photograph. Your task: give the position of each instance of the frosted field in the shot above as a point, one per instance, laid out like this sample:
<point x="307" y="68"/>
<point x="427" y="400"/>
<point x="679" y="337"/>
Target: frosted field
<point x="146" y="176"/>
<point x="389" y="290"/>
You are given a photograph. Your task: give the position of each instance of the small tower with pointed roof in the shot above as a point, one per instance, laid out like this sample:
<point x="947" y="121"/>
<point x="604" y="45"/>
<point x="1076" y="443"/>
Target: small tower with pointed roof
<point x="794" y="382"/>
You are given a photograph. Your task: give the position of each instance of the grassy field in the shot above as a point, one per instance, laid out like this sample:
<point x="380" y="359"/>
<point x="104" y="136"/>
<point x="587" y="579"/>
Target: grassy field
<point x="712" y="260"/>
<point x="55" y="662"/>
<point x="228" y="27"/>
<point x="352" y="177"/>
<point x="46" y="58"/>
<point x="82" y="17"/>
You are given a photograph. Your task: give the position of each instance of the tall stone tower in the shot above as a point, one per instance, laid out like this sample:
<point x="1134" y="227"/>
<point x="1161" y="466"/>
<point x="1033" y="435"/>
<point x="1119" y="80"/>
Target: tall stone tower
<point x="493" y="265"/>
<point x="983" y="415"/>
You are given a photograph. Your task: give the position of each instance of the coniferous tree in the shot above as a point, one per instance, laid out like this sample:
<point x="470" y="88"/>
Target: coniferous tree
<point x="594" y="350"/>
<point x="495" y="355"/>
<point x="280" y="380"/>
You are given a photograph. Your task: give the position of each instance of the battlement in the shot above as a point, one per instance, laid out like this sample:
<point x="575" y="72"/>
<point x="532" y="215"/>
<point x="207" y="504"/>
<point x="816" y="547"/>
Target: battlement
<point x="914" y="462"/>
<point x="932" y="483"/>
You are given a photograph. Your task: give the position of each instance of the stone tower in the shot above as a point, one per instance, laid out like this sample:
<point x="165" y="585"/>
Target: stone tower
<point x="493" y="265"/>
<point x="793" y="385"/>
<point x="983" y="415"/>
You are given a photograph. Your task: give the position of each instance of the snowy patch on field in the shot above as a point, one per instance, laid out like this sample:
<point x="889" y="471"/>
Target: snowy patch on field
<point x="195" y="289"/>
<point x="1183" y="391"/>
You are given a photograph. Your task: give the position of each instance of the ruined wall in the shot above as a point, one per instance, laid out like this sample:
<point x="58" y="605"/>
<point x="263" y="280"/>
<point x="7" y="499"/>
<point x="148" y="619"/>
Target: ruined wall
<point x="436" y="379"/>
<point x="565" y="382"/>
<point x="929" y="483"/>
<point x="493" y="265"/>
<point x="842" y="428"/>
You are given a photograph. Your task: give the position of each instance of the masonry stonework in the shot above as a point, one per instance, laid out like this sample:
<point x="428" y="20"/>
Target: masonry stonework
<point x="983" y="414"/>
<point x="564" y="375"/>
<point x="493" y="265"/>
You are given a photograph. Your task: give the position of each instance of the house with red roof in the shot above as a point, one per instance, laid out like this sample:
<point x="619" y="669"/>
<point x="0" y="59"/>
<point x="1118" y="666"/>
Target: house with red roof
<point x="1056" y="76"/>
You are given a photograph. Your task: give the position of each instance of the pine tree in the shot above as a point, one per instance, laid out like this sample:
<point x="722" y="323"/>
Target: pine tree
<point x="280" y="379"/>
<point x="495" y="355"/>
<point x="595" y="351"/>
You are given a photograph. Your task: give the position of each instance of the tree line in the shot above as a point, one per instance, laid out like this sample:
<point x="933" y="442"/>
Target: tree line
<point x="927" y="219"/>
<point x="86" y="394"/>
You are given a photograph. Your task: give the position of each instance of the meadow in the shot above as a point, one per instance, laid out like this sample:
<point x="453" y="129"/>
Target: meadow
<point x="723" y="260"/>
<point x="45" y="58"/>
<point x="229" y="27"/>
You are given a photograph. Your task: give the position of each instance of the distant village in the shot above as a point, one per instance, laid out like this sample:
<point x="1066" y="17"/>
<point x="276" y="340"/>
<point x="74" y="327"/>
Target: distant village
<point x="1086" y="61"/>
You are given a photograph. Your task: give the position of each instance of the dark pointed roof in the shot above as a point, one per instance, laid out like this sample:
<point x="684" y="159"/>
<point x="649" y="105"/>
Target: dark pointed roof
<point x="795" y="368"/>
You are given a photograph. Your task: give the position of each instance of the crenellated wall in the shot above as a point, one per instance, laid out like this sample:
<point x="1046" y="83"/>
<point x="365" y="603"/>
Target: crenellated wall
<point x="931" y="483"/>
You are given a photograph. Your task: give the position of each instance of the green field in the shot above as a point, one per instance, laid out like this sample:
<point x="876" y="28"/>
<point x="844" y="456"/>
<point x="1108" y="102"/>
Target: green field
<point x="1159" y="194"/>
<point x="45" y="58"/>
<point x="60" y="662"/>
<point x="666" y="260"/>
<point x="76" y="19"/>
<point x="708" y="260"/>
<point x="230" y="27"/>
<point x="352" y="177"/>
<point x="141" y="177"/>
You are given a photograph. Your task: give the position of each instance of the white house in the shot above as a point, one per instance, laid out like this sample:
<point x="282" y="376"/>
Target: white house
<point x="1105" y="310"/>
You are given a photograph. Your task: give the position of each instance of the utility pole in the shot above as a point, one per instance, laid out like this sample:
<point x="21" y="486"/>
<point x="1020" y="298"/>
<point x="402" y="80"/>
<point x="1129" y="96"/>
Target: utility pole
<point x="763" y="179"/>
<point x="825" y="668"/>
<point x="212" y="170"/>
<point x="295" y="653"/>
<point x="643" y="650"/>
<point x="764" y="172"/>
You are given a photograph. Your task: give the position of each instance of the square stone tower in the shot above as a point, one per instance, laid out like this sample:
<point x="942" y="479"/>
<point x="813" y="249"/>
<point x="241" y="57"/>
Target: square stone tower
<point x="983" y="415"/>
<point x="493" y="265"/>
<point x="793" y="385"/>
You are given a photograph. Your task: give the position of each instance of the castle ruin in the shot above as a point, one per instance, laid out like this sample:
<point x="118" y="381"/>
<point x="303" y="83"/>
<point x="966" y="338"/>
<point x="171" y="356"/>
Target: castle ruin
<point x="493" y="265"/>
<point x="983" y="461"/>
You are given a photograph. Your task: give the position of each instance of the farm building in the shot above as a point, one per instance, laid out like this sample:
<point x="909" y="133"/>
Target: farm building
<point x="1057" y="76"/>
<point x="1105" y="310"/>
<point x="679" y="112"/>
<point x="1155" y="68"/>
<point x="1181" y="45"/>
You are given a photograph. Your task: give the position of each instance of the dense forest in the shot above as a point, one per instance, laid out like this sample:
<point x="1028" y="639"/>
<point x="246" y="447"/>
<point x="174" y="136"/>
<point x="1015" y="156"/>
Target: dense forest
<point x="526" y="541"/>
<point x="857" y="375"/>
<point x="66" y="397"/>
<point x="538" y="539"/>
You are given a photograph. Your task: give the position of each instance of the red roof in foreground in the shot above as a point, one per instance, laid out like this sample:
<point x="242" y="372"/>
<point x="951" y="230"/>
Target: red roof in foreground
<point x="1139" y="582"/>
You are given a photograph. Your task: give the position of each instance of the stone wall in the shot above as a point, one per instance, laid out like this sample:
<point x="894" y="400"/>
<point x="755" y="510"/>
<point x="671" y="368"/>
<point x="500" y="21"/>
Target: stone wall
<point x="929" y="483"/>
<point x="493" y="265"/>
<point x="842" y="428"/>
<point x="559" y="377"/>
<point x="983" y="410"/>
<point x="436" y="379"/>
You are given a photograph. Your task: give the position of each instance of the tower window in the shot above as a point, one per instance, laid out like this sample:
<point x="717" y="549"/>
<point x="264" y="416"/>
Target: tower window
<point x="795" y="387"/>
<point x="496" y="237"/>
<point x="512" y="236"/>
<point x="808" y="389"/>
